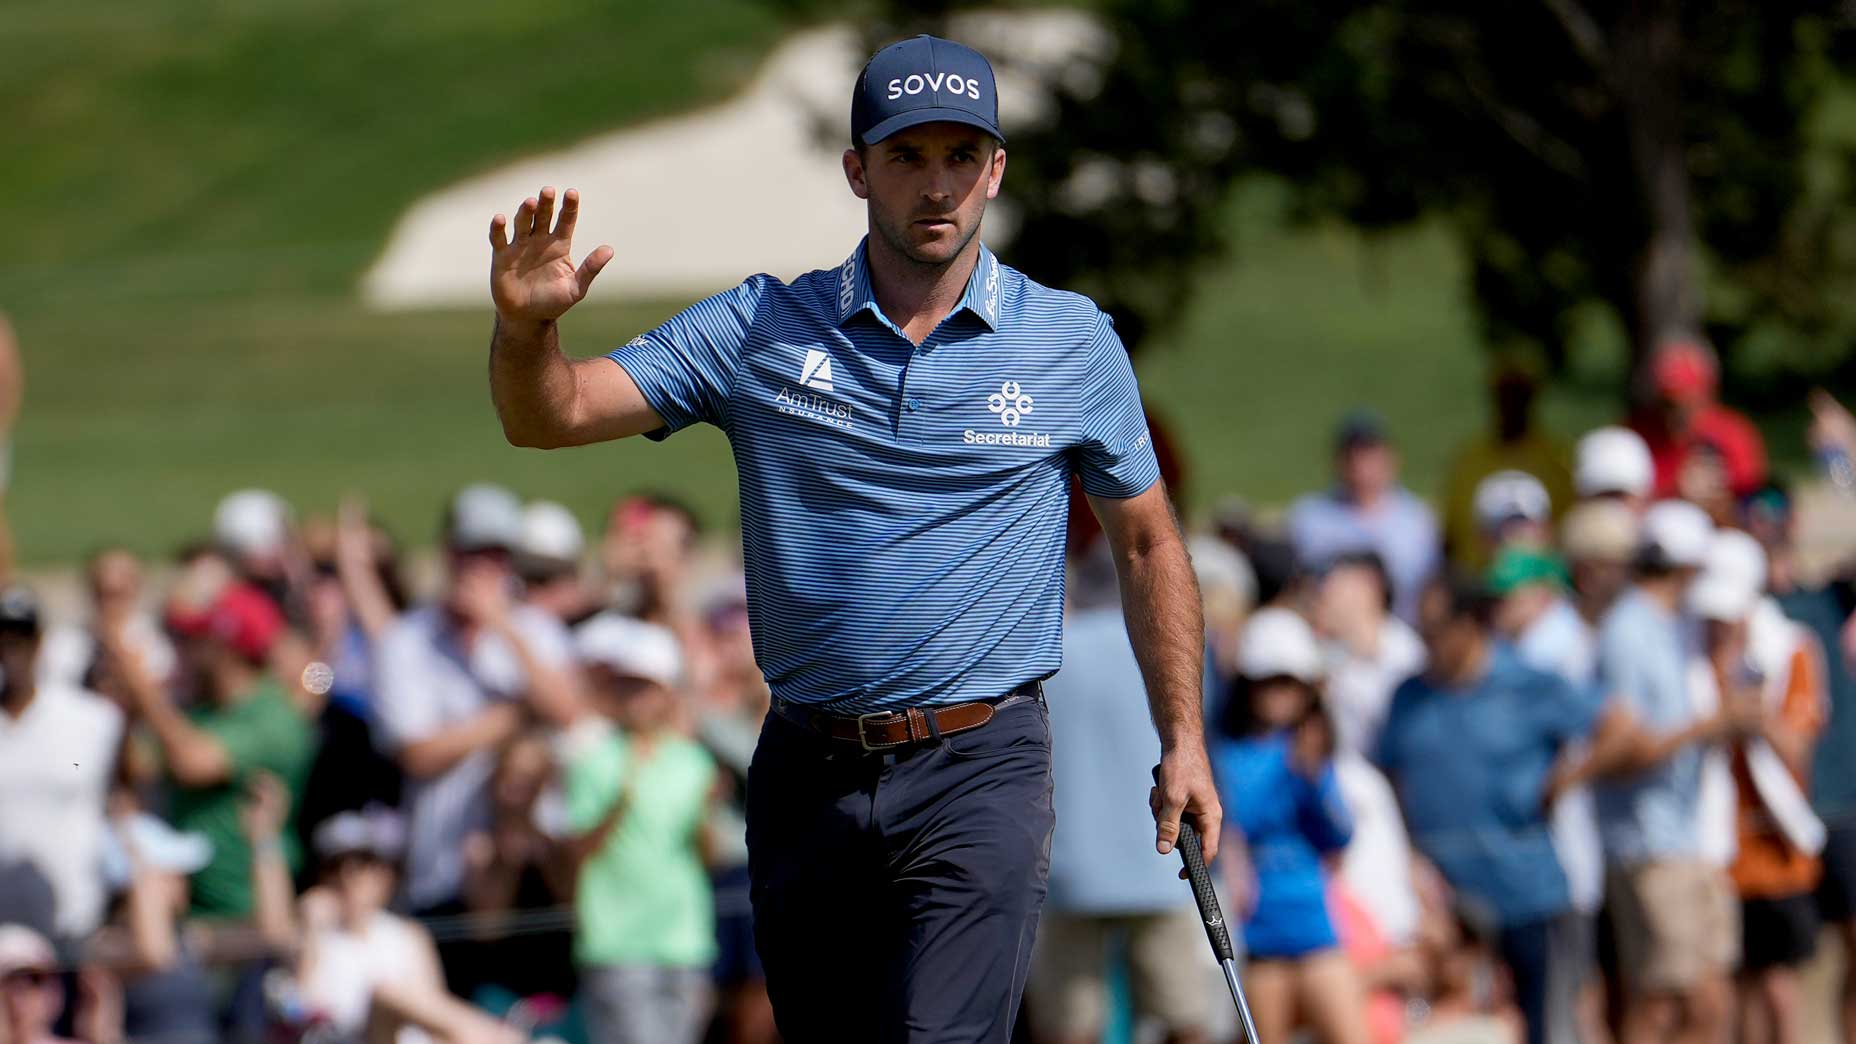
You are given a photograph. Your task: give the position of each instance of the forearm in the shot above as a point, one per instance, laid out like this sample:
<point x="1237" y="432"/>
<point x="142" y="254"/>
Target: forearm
<point x="194" y="758"/>
<point x="273" y="895"/>
<point x="531" y="383"/>
<point x="1166" y="627"/>
<point x="440" y="752"/>
<point x="581" y="847"/>
<point x="1793" y="747"/>
<point x="553" y="691"/>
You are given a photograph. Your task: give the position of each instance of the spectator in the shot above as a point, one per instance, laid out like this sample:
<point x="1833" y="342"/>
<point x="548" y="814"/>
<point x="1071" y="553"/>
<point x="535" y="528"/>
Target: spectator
<point x="1547" y="633"/>
<point x="363" y="970"/>
<point x="455" y="681"/>
<point x="1599" y="539"/>
<point x="240" y="724"/>
<point x="1367" y="510"/>
<point x="1473" y="747"/>
<point x="252" y="527"/>
<point x="1277" y="781"/>
<point x="517" y="867"/>
<point x="1825" y="611"/>
<point x="1615" y="464"/>
<point x="1760" y="658"/>
<point x="58" y="748"/>
<point x="1675" y="915"/>
<point x="1107" y="885"/>
<point x="1228" y="588"/>
<point x="31" y="987"/>
<point x="162" y="958"/>
<point x="1512" y="444"/>
<point x="548" y="560"/>
<point x="728" y="722"/>
<point x="639" y="802"/>
<point x="1512" y="510"/>
<point x="646" y="555"/>
<point x="114" y="583"/>
<point x="1367" y="651"/>
<point x="1685" y="377"/>
<point x="353" y="597"/>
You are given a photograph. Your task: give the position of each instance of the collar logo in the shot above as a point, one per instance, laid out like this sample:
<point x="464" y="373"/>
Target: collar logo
<point x="1010" y="402"/>
<point x="847" y="285"/>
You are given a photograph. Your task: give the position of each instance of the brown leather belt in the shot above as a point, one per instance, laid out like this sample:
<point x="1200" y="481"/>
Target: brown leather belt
<point x="892" y="730"/>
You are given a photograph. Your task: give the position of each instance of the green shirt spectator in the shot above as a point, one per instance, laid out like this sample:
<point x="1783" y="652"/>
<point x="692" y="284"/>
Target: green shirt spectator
<point x="260" y="733"/>
<point x="643" y="896"/>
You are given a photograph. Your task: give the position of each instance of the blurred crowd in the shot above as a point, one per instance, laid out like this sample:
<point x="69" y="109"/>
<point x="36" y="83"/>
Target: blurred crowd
<point x="1560" y="759"/>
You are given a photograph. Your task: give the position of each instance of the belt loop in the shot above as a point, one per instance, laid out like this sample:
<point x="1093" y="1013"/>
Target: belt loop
<point x="932" y="717"/>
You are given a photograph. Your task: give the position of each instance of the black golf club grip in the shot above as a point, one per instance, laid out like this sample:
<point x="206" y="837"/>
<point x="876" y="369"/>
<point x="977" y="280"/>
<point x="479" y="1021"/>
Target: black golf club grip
<point x="1194" y="858"/>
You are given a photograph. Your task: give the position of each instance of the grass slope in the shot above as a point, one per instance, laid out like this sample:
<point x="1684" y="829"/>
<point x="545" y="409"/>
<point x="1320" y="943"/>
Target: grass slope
<point x="194" y="186"/>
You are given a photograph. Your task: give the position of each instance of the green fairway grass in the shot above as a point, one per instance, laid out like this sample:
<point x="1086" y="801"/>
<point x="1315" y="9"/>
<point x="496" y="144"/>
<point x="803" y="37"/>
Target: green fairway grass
<point x="195" y="187"/>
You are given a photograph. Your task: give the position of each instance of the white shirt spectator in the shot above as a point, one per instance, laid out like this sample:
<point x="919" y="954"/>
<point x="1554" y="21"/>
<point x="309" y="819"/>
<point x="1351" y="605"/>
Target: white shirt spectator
<point x="1376" y="868"/>
<point x="56" y="761"/>
<point x="426" y="683"/>
<point x="1360" y="686"/>
<point x="1561" y="642"/>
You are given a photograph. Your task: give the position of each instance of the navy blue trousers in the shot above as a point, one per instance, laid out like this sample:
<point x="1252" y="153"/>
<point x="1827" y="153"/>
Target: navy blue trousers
<point x="896" y="897"/>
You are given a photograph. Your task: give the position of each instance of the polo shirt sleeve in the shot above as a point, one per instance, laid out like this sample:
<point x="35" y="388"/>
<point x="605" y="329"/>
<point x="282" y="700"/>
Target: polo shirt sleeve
<point x="686" y="367"/>
<point x="1115" y="455"/>
<point x="1620" y="668"/>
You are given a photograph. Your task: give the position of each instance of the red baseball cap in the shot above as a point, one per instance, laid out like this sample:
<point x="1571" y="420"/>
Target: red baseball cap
<point x="241" y="617"/>
<point x="1684" y="371"/>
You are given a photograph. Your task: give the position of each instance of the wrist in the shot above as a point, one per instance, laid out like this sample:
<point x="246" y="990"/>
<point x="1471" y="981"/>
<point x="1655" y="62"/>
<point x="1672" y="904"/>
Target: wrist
<point x="265" y="847"/>
<point x="522" y="329"/>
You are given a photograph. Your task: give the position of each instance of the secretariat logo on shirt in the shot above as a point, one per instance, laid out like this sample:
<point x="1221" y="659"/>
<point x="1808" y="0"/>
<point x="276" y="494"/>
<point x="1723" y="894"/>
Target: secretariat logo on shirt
<point x="1010" y="403"/>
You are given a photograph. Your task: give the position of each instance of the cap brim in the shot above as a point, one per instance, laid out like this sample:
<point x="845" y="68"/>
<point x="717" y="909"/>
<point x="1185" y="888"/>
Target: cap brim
<point x="932" y="114"/>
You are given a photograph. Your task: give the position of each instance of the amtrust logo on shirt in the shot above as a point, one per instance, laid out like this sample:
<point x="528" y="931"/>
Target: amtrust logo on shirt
<point x="813" y="408"/>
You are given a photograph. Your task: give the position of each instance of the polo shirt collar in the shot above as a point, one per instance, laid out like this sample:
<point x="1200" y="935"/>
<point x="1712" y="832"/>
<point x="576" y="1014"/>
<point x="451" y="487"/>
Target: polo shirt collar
<point x="982" y="297"/>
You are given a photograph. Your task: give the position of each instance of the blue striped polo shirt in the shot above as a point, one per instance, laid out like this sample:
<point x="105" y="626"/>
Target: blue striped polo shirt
<point x="903" y="508"/>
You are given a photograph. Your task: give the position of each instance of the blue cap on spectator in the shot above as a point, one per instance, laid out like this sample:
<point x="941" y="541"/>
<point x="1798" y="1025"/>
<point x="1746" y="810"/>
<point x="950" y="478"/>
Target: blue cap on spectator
<point x="924" y="80"/>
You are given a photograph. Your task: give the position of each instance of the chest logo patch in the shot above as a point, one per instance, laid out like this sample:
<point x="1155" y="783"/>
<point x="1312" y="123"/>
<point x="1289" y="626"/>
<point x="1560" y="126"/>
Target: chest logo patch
<point x="1010" y="402"/>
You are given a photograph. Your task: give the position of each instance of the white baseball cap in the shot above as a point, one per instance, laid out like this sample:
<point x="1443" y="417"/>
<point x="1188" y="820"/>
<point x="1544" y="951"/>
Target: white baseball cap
<point x="1732" y="579"/>
<point x="1599" y="531"/>
<point x="1278" y="643"/>
<point x="148" y="840"/>
<point x="22" y="948"/>
<point x="631" y="647"/>
<point x="251" y="522"/>
<point x="550" y="531"/>
<point x="375" y="830"/>
<point x="1509" y="495"/>
<point x="1679" y="531"/>
<point x="1613" y="460"/>
<point x="483" y="516"/>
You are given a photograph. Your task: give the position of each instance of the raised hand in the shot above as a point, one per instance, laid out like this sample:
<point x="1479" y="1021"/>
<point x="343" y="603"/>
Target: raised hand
<point x="533" y="278"/>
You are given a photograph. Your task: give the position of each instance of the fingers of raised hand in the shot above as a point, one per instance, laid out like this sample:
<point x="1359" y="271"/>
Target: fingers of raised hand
<point x="544" y="211"/>
<point x="570" y="213"/>
<point x="591" y="266"/>
<point x="499" y="233"/>
<point x="525" y="219"/>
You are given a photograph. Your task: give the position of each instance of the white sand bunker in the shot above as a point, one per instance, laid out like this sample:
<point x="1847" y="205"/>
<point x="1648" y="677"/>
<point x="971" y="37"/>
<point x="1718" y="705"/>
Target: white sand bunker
<point x="695" y="204"/>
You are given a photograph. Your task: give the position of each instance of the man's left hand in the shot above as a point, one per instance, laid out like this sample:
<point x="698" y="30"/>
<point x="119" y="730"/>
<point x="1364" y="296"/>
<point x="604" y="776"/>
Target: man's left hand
<point x="1184" y="786"/>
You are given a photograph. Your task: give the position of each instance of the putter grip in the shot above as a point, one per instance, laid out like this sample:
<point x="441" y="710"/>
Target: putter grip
<point x="1201" y="878"/>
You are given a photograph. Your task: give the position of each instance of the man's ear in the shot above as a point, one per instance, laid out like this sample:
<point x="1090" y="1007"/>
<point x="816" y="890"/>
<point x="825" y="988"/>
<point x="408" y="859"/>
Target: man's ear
<point x="854" y="174"/>
<point x="997" y="176"/>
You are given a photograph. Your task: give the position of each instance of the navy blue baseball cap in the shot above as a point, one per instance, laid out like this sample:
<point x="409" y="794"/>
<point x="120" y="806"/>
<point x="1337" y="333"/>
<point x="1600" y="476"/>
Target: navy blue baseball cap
<point x="924" y="80"/>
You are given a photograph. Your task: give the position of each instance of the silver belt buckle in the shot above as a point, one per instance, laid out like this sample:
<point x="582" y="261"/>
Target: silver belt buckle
<point x="863" y="737"/>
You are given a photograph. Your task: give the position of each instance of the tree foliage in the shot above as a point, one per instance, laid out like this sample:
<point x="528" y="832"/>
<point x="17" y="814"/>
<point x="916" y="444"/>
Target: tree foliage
<point x="1682" y="165"/>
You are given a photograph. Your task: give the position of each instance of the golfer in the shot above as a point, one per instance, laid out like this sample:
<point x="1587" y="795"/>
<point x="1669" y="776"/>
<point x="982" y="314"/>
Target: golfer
<point x="905" y="427"/>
